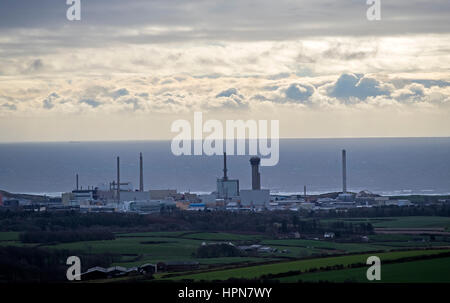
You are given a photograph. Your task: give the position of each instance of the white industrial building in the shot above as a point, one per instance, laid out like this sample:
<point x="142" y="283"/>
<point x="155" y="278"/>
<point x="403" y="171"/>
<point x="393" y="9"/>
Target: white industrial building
<point x="227" y="188"/>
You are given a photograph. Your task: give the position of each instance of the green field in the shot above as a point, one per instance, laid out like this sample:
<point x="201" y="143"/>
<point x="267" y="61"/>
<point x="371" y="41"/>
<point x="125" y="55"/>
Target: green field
<point x="136" y="248"/>
<point x="153" y="247"/>
<point x="253" y="272"/>
<point x="9" y="236"/>
<point x="223" y="237"/>
<point x="401" y="222"/>
<point x="325" y="246"/>
<point x="153" y="234"/>
<point x="423" y="271"/>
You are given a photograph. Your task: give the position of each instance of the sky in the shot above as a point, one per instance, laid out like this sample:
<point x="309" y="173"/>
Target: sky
<point x="128" y="69"/>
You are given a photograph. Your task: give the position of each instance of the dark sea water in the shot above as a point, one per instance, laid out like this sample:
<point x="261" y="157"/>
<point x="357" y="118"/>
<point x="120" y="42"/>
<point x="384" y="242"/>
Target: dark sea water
<point x="385" y="166"/>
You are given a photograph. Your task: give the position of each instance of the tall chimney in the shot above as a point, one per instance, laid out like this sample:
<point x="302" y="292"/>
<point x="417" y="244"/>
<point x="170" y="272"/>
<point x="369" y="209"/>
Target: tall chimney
<point x="118" y="179"/>
<point x="77" y="181"/>
<point x="256" y="178"/>
<point x="304" y="192"/>
<point x="141" y="173"/>
<point x="344" y="172"/>
<point x="225" y="177"/>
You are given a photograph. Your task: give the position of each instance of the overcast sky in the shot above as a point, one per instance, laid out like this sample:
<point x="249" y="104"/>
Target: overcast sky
<point x="128" y="69"/>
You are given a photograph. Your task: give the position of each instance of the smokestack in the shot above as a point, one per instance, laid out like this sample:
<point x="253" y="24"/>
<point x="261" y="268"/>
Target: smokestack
<point x="141" y="173"/>
<point x="77" y="181"/>
<point x="304" y="192"/>
<point x="256" y="178"/>
<point x="344" y="172"/>
<point x="225" y="177"/>
<point x="118" y="179"/>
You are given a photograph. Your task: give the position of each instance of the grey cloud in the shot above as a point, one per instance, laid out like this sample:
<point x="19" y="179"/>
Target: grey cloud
<point x="260" y="97"/>
<point x="271" y="87"/>
<point x="230" y="99"/>
<point x="143" y="95"/>
<point x="211" y="21"/>
<point x="228" y="93"/>
<point x="168" y="81"/>
<point x="91" y="102"/>
<point x="48" y="102"/>
<point x="135" y="102"/>
<point x="428" y="83"/>
<point x="299" y="92"/>
<point x="9" y="106"/>
<point x="279" y="76"/>
<point x="347" y="53"/>
<point x="171" y="101"/>
<point x="234" y="102"/>
<point x="120" y="92"/>
<point x="356" y="85"/>
<point x="35" y="66"/>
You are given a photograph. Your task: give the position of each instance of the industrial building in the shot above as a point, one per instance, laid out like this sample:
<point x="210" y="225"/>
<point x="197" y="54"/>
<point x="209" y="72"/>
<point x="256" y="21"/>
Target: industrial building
<point x="255" y="197"/>
<point x="120" y="196"/>
<point x="227" y="188"/>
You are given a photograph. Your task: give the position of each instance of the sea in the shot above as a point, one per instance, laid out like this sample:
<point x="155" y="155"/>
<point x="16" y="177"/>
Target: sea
<point x="386" y="166"/>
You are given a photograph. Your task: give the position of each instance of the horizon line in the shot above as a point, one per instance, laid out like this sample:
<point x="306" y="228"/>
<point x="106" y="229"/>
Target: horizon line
<point x="269" y="138"/>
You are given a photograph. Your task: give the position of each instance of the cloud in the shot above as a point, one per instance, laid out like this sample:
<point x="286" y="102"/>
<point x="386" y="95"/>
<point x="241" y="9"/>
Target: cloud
<point x="410" y="93"/>
<point x="299" y="92"/>
<point x="143" y="95"/>
<point x="429" y="83"/>
<point x="9" y="106"/>
<point x="232" y="103"/>
<point x="348" y="52"/>
<point x="135" y="102"/>
<point x="228" y="93"/>
<point x="260" y="97"/>
<point x="91" y="102"/>
<point x="160" y="22"/>
<point x="35" y="66"/>
<point x="356" y="85"/>
<point x="48" y="102"/>
<point x="120" y="93"/>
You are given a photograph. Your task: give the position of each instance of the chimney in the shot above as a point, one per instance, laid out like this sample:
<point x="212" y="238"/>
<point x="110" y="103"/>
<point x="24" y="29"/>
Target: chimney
<point x="225" y="177"/>
<point x="256" y="178"/>
<point x="118" y="179"/>
<point x="304" y="192"/>
<point x="141" y="173"/>
<point x="344" y="172"/>
<point x="77" y="181"/>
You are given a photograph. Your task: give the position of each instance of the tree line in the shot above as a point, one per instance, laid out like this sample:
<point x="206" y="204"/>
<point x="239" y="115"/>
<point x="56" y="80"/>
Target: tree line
<point x="65" y="236"/>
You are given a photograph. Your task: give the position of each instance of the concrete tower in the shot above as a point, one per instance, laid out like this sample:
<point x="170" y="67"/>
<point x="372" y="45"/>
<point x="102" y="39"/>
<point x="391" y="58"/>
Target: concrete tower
<point x="141" y="173"/>
<point x="118" y="179"/>
<point x="344" y="172"/>
<point x="256" y="179"/>
<point x="225" y="177"/>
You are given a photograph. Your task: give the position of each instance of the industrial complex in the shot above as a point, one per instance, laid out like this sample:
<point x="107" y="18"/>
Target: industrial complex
<point x="120" y="196"/>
